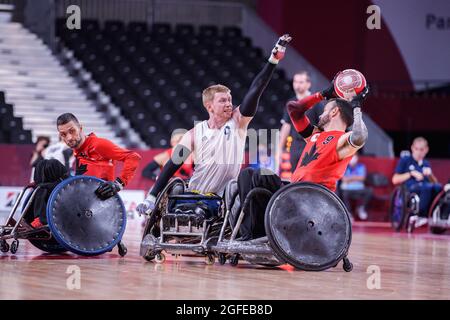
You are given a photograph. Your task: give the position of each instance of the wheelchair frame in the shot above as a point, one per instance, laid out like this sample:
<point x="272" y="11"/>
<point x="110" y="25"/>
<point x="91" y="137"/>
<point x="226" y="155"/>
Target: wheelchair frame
<point x="224" y="246"/>
<point x="20" y="229"/>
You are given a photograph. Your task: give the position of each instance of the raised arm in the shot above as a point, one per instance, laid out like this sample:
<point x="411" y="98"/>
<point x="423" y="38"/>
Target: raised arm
<point x="354" y="140"/>
<point x="297" y="110"/>
<point x="247" y="109"/>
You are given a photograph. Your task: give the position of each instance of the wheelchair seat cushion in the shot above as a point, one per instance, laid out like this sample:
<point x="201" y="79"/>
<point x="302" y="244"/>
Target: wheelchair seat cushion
<point x="189" y="201"/>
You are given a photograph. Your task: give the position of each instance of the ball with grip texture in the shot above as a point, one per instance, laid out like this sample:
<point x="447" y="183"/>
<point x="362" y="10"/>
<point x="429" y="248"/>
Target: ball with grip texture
<point x="349" y="83"/>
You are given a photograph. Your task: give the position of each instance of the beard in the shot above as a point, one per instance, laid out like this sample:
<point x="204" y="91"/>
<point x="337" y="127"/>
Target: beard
<point x="323" y="121"/>
<point x="73" y="144"/>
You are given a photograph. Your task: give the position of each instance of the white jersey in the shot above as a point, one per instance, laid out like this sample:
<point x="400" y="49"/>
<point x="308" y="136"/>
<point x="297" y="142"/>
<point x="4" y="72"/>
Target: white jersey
<point x="218" y="156"/>
<point x="56" y="151"/>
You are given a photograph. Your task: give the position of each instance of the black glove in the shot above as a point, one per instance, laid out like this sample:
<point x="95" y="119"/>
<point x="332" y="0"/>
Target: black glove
<point x="359" y="98"/>
<point x="109" y="188"/>
<point x="329" y="93"/>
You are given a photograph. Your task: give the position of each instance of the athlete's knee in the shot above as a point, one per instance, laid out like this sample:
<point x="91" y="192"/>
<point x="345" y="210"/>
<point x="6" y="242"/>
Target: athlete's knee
<point x="246" y="174"/>
<point x="265" y="178"/>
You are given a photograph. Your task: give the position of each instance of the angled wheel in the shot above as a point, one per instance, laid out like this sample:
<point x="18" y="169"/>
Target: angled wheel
<point x="308" y="226"/>
<point x="80" y="221"/>
<point x="439" y="213"/>
<point x="49" y="246"/>
<point x="398" y="208"/>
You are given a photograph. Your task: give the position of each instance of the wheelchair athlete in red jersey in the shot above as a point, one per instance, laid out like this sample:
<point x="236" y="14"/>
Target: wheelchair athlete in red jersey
<point x="329" y="149"/>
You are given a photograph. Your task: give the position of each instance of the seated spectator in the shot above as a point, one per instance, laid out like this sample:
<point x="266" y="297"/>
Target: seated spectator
<point x="415" y="172"/>
<point x="152" y="169"/>
<point x="263" y="160"/>
<point x="352" y="187"/>
<point x="42" y="143"/>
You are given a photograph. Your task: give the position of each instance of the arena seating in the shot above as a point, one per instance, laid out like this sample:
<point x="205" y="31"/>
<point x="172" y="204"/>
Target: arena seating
<point x="11" y="130"/>
<point x="40" y="88"/>
<point x="156" y="74"/>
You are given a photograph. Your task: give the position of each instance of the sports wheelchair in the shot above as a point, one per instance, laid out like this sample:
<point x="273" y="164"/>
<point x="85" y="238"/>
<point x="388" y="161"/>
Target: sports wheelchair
<point x="403" y="209"/>
<point x="307" y="226"/>
<point x="77" y="220"/>
<point x="439" y="214"/>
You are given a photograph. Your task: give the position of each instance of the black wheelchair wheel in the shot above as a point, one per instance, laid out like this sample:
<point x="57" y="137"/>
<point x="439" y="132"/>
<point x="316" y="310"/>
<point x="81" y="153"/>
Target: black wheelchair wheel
<point x="308" y="226"/>
<point x="439" y="210"/>
<point x="80" y="221"/>
<point x="398" y="208"/>
<point x="49" y="246"/>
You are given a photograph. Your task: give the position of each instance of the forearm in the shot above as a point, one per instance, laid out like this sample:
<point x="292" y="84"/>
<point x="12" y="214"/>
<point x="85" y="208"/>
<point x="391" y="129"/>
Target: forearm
<point x="149" y="170"/>
<point x="297" y="110"/>
<point x="166" y="173"/>
<point x="359" y="134"/>
<point x="399" y="178"/>
<point x="179" y="156"/>
<point x="250" y="103"/>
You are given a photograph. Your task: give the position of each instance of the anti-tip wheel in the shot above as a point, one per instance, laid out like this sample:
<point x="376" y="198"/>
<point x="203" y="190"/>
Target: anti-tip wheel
<point x="210" y="259"/>
<point x="222" y="258"/>
<point x="122" y="249"/>
<point x="14" y="246"/>
<point x="347" y="266"/>
<point x="4" y="246"/>
<point x="160" y="258"/>
<point x="234" y="260"/>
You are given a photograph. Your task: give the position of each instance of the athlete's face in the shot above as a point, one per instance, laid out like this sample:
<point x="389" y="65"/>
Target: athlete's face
<point x="328" y="113"/>
<point x="221" y="106"/>
<point x="301" y="84"/>
<point x="419" y="150"/>
<point x="71" y="133"/>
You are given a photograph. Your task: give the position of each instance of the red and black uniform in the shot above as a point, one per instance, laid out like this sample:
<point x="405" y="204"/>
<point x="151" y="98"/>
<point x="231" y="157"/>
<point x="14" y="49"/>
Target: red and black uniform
<point x="97" y="157"/>
<point x="319" y="162"/>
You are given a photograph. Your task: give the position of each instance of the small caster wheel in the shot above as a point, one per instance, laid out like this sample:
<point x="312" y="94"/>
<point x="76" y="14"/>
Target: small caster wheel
<point x="4" y="246"/>
<point x="347" y="266"/>
<point x="149" y="257"/>
<point x="14" y="246"/>
<point x="160" y="258"/>
<point x="234" y="260"/>
<point x="122" y="249"/>
<point x="210" y="259"/>
<point x="222" y="258"/>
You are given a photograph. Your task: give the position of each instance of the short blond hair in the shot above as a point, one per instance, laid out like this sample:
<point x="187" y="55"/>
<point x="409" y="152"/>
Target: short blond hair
<point x="419" y="140"/>
<point x="208" y="93"/>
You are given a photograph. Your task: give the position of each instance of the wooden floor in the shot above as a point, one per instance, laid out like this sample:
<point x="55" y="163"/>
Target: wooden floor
<point x="411" y="267"/>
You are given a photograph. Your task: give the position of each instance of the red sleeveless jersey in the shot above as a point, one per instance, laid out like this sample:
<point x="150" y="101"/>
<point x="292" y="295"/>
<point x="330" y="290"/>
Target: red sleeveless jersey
<point x="319" y="162"/>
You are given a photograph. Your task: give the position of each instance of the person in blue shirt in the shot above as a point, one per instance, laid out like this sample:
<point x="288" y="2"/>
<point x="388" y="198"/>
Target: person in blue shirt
<point x="415" y="172"/>
<point x="352" y="187"/>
